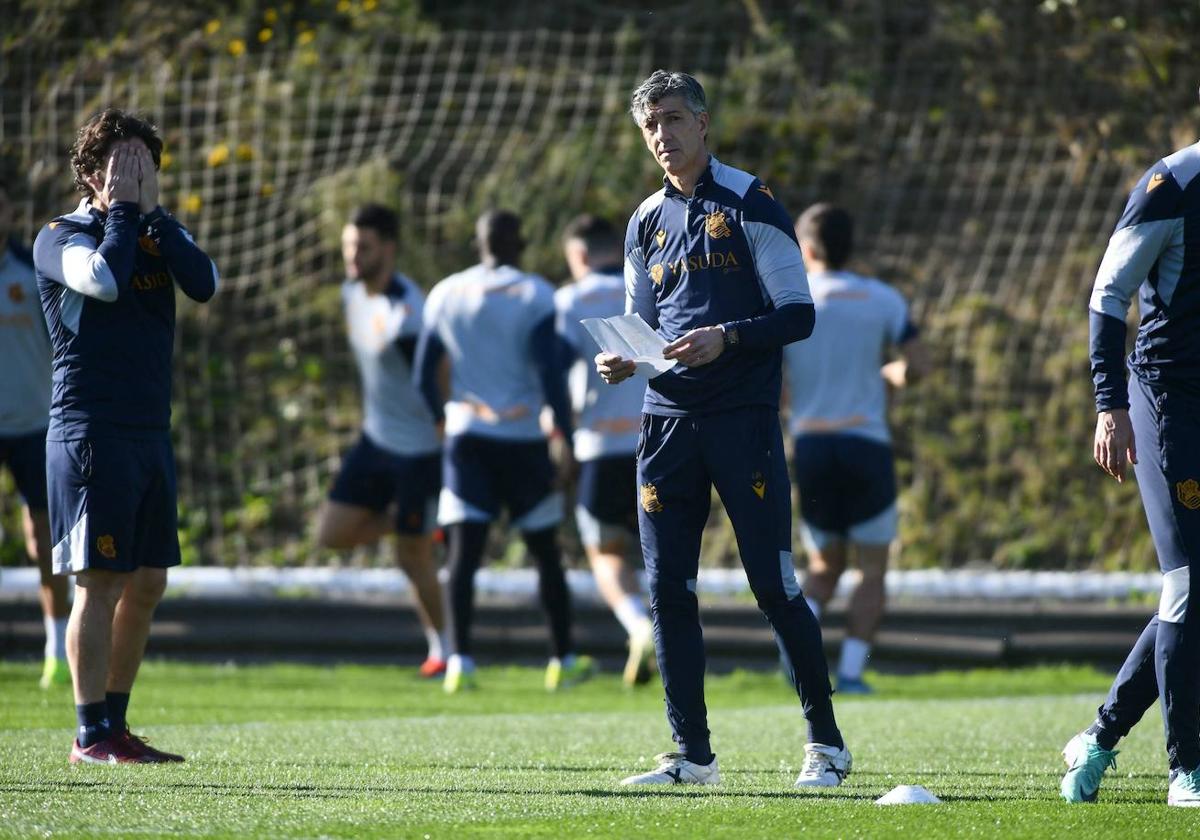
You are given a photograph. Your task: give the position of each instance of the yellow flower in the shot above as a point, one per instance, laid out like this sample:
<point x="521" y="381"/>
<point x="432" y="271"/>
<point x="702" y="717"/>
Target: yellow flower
<point x="306" y="37"/>
<point x="264" y="35"/>
<point x="266" y="190"/>
<point x="369" y="5"/>
<point x="308" y="58"/>
<point x="212" y="27"/>
<point x="192" y="203"/>
<point x="270" y="16"/>
<point x="343" y="6"/>
<point x="244" y="152"/>
<point x="219" y="155"/>
<point x="164" y="160"/>
<point x="236" y="47"/>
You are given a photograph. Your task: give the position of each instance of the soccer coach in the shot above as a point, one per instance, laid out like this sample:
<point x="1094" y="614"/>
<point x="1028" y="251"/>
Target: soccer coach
<point x="712" y="263"/>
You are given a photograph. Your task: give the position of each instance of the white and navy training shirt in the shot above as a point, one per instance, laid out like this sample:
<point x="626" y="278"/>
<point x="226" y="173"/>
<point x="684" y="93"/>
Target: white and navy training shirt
<point x="1154" y="252"/>
<point x="107" y="284"/>
<point x="496" y="325"/>
<point x="24" y="347"/>
<point x="834" y="379"/>
<point x="383" y="330"/>
<point x="609" y="419"/>
<point x="727" y="255"/>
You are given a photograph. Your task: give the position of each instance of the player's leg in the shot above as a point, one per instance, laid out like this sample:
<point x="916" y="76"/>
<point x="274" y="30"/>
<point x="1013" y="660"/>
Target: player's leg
<point x="26" y="458"/>
<point x="675" y="499"/>
<point x="864" y="613"/>
<point x="818" y="483"/>
<point x="1172" y="500"/>
<point x="744" y="453"/>
<point x="605" y="511"/>
<point x="1137" y="685"/>
<point x="355" y="512"/>
<point x="89" y="645"/>
<point x="466" y="506"/>
<point x="526" y="483"/>
<point x="418" y="480"/>
<point x="155" y="549"/>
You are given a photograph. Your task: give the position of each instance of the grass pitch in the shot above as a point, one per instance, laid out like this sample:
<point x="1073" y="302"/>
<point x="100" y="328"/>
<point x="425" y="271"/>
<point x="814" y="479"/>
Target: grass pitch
<point x="293" y="751"/>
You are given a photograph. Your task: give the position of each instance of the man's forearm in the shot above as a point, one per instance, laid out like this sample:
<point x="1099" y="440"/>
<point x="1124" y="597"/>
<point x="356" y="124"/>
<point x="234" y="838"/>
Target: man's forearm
<point x="1107" y="343"/>
<point x="790" y="322"/>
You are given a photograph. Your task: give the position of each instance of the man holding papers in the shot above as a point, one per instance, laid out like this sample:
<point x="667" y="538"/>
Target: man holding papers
<point x="712" y="265"/>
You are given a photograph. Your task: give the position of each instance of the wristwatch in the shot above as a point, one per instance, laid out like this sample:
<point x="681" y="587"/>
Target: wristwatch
<point x="731" y="335"/>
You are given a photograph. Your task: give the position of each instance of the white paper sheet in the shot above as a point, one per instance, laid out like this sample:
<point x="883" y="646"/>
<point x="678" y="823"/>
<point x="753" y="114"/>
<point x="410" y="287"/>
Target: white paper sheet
<point x="631" y="338"/>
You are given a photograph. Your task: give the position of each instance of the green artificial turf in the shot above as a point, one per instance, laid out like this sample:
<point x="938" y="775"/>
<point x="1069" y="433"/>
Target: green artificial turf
<point x="296" y="751"/>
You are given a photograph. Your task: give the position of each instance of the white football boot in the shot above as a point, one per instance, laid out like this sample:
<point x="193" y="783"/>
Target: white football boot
<point x="1184" y="791"/>
<point x="674" y="769"/>
<point x="824" y="766"/>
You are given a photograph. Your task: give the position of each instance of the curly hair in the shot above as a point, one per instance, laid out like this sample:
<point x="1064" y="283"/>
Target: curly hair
<point x="89" y="154"/>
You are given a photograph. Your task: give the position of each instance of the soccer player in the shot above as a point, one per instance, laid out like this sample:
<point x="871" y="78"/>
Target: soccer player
<point x="712" y="263"/>
<point x="605" y="442"/>
<point x="389" y="481"/>
<point x="1153" y="422"/>
<point x="24" y="412"/>
<point x="489" y="335"/>
<point x="107" y="274"/>
<point x="838" y="413"/>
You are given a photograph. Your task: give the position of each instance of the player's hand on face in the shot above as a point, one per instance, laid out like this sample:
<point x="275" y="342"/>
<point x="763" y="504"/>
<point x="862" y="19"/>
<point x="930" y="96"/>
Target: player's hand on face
<point x="613" y="369"/>
<point x="1114" y="447"/>
<point x="148" y="193"/>
<point x="121" y="176"/>
<point x="698" y="347"/>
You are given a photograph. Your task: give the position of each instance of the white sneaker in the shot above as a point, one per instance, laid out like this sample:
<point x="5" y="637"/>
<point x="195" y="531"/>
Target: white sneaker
<point x="674" y="769"/>
<point x="824" y="766"/>
<point x="1184" y="791"/>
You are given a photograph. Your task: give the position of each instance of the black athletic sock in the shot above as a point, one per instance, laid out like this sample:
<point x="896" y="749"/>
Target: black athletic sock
<point x="552" y="587"/>
<point x="118" y="705"/>
<point x="465" y="542"/>
<point x="93" y="723"/>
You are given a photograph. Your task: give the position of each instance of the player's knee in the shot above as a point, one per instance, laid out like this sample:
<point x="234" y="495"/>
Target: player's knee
<point x="99" y="586"/>
<point x="147" y="586"/>
<point x="671" y="594"/>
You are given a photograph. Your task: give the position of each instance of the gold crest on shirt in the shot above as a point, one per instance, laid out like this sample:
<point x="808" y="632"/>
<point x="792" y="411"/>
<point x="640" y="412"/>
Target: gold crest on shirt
<point x="758" y="483"/>
<point x="15" y="293"/>
<point x="149" y="246"/>
<point x="1156" y="180"/>
<point x="1188" y="493"/>
<point x="716" y="225"/>
<point x="661" y="238"/>
<point x="650" y="502"/>
<point x="656" y="273"/>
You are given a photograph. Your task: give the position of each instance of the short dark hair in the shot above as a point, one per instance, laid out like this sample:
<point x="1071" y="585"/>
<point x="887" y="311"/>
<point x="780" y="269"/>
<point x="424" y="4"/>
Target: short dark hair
<point x="595" y="232"/>
<point x="498" y="234"/>
<point x="382" y="220"/>
<point x="96" y="137"/>
<point x="829" y="231"/>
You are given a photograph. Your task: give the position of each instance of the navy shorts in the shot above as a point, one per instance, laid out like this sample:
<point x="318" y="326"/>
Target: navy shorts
<point x="847" y="487"/>
<point x="25" y="457"/>
<point x="112" y="504"/>
<point x="484" y="475"/>
<point x="374" y="478"/>
<point x="606" y="499"/>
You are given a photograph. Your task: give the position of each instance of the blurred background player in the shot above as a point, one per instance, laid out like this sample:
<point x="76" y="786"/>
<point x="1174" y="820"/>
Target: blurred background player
<point x="606" y="434"/>
<point x="24" y="413"/>
<point x="390" y="479"/>
<point x="712" y="264"/>
<point x="106" y="275"/>
<point x="488" y="361"/>
<point x="838" y="413"/>
<point x="1153" y="421"/>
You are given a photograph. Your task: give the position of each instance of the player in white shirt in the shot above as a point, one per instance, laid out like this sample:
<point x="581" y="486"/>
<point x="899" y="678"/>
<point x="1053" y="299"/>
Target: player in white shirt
<point x="24" y="415"/>
<point x="606" y="435"/>
<point x="838" y="416"/>
<point x="489" y="335"/>
<point x="390" y="479"/>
